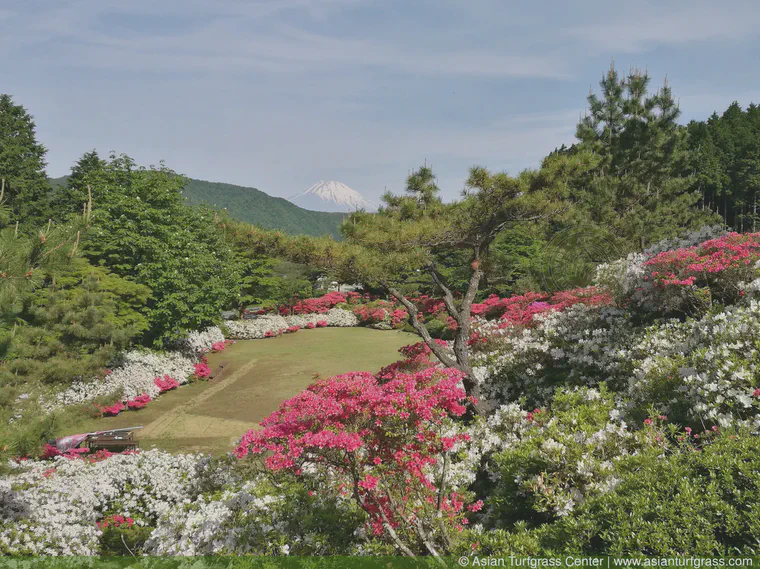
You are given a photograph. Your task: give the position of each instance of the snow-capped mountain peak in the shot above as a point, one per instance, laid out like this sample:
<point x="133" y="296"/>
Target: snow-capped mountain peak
<point x="332" y="196"/>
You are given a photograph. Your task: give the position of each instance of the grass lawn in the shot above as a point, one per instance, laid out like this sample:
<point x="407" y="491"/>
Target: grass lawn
<point x="258" y="376"/>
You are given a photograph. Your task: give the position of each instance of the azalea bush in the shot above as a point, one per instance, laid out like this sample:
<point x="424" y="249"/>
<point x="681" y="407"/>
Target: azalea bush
<point x="381" y="314"/>
<point x="685" y="276"/>
<point x="134" y="373"/>
<point x="548" y="461"/>
<point x="199" y="342"/>
<point x="580" y="346"/>
<point x="717" y="265"/>
<point x="269" y="326"/>
<point x="55" y="510"/>
<point x="699" y="371"/>
<point x="417" y="357"/>
<point x="133" y="376"/>
<point x="166" y="383"/>
<point x="201" y="370"/>
<point x="266" y="515"/>
<point x="695" y="497"/>
<point x="381" y="444"/>
<point x="317" y="305"/>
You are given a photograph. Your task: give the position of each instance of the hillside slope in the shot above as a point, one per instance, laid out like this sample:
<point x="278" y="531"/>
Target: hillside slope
<point x="256" y="207"/>
<point x="259" y="208"/>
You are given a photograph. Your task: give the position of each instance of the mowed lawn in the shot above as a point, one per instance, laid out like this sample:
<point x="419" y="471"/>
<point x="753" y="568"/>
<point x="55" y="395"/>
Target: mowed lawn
<point x="258" y="376"/>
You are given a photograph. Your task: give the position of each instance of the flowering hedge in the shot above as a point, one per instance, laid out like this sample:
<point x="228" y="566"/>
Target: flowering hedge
<point x="693" y="277"/>
<point x="142" y="375"/>
<point x="58" y="512"/>
<point x="270" y="326"/>
<point x="417" y="357"/>
<point x="383" y="314"/>
<point x="688" y="278"/>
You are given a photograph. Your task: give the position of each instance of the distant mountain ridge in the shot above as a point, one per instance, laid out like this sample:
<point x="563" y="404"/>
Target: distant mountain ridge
<point x="259" y="208"/>
<point x="332" y="196"/>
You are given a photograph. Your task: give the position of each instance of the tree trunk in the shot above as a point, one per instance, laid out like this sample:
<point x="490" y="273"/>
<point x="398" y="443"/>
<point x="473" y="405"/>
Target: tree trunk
<point x="461" y="315"/>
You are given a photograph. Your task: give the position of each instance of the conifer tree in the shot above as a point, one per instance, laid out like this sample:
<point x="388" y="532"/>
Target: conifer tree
<point x="72" y="197"/>
<point x="640" y="188"/>
<point x="22" y="166"/>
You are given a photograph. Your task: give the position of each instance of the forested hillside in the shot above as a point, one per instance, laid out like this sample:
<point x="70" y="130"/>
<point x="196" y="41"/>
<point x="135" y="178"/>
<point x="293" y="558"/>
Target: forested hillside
<point x="256" y="207"/>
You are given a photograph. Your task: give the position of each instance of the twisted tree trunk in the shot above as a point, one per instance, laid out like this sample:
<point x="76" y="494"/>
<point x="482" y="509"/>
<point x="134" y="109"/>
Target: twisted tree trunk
<point x="461" y="314"/>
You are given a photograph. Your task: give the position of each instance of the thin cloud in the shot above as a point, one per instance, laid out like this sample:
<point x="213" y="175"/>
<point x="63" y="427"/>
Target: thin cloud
<point x="644" y="27"/>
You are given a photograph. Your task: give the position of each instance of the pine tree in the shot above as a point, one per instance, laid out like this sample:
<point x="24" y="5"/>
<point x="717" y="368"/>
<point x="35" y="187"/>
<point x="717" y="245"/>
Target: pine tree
<point x="22" y="165"/>
<point x="641" y="188"/>
<point x="725" y="160"/>
<point x="78" y="190"/>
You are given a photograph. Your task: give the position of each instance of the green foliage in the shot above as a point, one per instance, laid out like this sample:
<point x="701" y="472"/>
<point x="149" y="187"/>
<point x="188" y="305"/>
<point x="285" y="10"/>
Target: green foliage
<point x="72" y="195"/>
<point x="438" y="326"/>
<point x="638" y="187"/>
<point x="557" y="457"/>
<point x="286" y="291"/>
<point x="725" y="162"/>
<point x="25" y="260"/>
<point x="22" y="165"/>
<point x="73" y="326"/>
<point x="258" y="281"/>
<point x="144" y="231"/>
<point x="696" y="500"/>
<point x="262" y="279"/>
<point x="123" y="540"/>
<point x="256" y="207"/>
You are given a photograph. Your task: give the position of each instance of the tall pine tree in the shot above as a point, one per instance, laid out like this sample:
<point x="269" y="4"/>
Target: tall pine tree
<point x="22" y="166"/>
<point x="640" y="188"/>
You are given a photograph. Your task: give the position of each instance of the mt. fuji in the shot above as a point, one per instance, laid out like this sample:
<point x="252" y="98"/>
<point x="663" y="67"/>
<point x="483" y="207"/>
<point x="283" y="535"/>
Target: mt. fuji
<point x="332" y="196"/>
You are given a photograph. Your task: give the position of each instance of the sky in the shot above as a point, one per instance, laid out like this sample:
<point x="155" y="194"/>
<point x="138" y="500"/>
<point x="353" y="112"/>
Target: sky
<point x="279" y="94"/>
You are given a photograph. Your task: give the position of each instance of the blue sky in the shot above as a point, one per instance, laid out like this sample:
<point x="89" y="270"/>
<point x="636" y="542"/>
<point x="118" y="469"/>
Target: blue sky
<point x="280" y="94"/>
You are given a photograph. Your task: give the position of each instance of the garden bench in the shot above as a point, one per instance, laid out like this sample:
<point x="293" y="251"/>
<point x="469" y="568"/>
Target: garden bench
<point x="114" y="443"/>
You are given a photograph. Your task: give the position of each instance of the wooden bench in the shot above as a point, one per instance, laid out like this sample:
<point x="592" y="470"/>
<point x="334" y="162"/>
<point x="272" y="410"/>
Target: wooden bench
<point x="112" y="443"/>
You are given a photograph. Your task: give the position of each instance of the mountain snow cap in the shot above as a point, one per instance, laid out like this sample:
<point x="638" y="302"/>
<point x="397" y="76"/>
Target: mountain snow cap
<point x="332" y="196"/>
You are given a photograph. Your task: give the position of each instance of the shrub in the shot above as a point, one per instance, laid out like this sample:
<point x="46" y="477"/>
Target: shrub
<point x="202" y="370"/>
<point x="166" y="383"/>
<point x="138" y="402"/>
<point x="548" y="461"/>
<point x="690" y="501"/>
<point x="380" y="443"/>
<point x="123" y="539"/>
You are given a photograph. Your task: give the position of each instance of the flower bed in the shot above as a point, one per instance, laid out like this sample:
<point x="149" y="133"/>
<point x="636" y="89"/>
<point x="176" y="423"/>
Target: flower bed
<point x="141" y="374"/>
<point x="58" y="513"/>
<point x="270" y="326"/>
